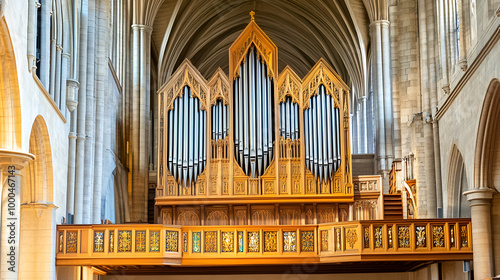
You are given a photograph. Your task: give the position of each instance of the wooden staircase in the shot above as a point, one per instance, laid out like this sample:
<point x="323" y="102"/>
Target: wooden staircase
<point x="393" y="206"/>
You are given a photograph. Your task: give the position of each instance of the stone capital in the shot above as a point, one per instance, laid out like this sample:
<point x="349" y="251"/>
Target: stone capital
<point x="380" y="22"/>
<point x="479" y="196"/>
<point x="14" y="158"/>
<point x="142" y="27"/>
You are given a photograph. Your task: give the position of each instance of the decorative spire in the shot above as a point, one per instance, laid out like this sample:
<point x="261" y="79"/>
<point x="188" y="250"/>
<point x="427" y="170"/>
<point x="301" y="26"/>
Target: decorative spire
<point x="252" y="14"/>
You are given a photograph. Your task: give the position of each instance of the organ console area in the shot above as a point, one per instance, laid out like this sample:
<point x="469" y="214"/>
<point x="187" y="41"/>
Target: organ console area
<point x="254" y="146"/>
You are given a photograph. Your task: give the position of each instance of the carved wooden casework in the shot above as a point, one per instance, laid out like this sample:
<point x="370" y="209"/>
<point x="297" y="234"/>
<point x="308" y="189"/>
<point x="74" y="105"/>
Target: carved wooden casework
<point x="286" y="192"/>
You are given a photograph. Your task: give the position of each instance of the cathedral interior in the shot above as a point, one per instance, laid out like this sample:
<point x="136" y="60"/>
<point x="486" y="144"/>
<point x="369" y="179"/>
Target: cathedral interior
<point x="214" y="139"/>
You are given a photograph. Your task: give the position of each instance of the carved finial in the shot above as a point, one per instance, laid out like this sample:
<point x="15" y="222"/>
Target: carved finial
<point x="252" y="14"/>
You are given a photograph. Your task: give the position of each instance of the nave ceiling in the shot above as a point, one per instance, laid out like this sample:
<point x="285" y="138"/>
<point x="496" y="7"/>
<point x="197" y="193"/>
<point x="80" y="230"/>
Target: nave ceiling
<point x="304" y="31"/>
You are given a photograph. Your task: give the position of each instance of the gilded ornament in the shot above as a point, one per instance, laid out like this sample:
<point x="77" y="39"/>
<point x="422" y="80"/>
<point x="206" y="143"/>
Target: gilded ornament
<point x="240" y="241"/>
<point x="337" y="239"/>
<point x="124" y="241"/>
<point x="351" y="237"/>
<point x="307" y="241"/>
<point x="389" y="235"/>
<point x="452" y="236"/>
<point x="71" y="241"/>
<point x="227" y="241"/>
<point x="378" y="237"/>
<point x="210" y="241"/>
<point x="111" y="241"/>
<point x="61" y="241"/>
<point x="171" y="241"/>
<point x="289" y="241"/>
<point x="184" y="242"/>
<point x="196" y="242"/>
<point x="366" y="240"/>
<point x="140" y="241"/>
<point x="154" y="241"/>
<point x="324" y="240"/>
<point x="421" y="240"/>
<point x="437" y="236"/>
<point x="98" y="241"/>
<point x="464" y="236"/>
<point x="270" y="241"/>
<point x="404" y="237"/>
<point x="253" y="241"/>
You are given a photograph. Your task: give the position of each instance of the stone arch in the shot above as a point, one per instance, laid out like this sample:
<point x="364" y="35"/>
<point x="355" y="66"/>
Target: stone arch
<point x="486" y="168"/>
<point x="10" y="107"/>
<point x="456" y="184"/>
<point x="37" y="210"/>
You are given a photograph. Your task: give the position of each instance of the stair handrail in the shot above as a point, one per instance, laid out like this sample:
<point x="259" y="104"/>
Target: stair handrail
<point x="412" y="198"/>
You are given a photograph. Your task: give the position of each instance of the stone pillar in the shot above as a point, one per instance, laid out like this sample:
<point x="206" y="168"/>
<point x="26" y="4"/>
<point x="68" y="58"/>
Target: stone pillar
<point x="442" y="44"/>
<point x="11" y="164"/>
<point x="141" y="37"/>
<point x="101" y="93"/>
<point x="90" y="114"/>
<point x="480" y="207"/>
<point x="45" y="43"/>
<point x="32" y="10"/>
<point x="57" y="78"/>
<point x="379" y="32"/>
<point x="461" y="25"/>
<point x="363" y="127"/>
<point x="53" y="62"/>
<point x="81" y="125"/>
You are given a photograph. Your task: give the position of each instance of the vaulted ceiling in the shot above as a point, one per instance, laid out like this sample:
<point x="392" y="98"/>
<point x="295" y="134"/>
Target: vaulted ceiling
<point x="303" y="30"/>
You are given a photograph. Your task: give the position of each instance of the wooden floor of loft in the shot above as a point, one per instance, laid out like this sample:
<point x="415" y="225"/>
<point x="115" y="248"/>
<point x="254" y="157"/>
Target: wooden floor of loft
<point x="335" y="268"/>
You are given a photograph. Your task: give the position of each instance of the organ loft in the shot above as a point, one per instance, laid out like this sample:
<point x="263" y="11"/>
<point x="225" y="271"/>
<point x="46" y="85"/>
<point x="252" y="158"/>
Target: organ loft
<point x="255" y="147"/>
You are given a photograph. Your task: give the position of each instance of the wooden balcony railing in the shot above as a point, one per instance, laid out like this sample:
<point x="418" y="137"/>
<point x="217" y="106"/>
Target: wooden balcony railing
<point x="374" y="240"/>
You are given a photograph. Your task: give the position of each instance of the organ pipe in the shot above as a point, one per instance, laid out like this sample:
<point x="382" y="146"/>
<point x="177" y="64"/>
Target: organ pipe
<point x="289" y="114"/>
<point x="186" y="139"/>
<point x="219" y="121"/>
<point x="254" y="126"/>
<point x="322" y="136"/>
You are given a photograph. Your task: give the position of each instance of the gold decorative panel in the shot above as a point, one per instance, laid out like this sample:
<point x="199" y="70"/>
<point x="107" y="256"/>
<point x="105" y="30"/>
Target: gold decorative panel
<point x="351" y="238"/>
<point x="437" y="236"/>
<point x="240" y="242"/>
<point x="403" y="237"/>
<point x="227" y="241"/>
<point x="253" y="241"/>
<point x="337" y="239"/>
<point x="366" y="238"/>
<point x="307" y="241"/>
<point x="171" y="241"/>
<point x="421" y="238"/>
<point x="289" y="241"/>
<point x="452" y="236"/>
<point x="196" y="242"/>
<point x="154" y="241"/>
<point x="390" y="237"/>
<point x="324" y="240"/>
<point x="210" y="242"/>
<point x="61" y="242"/>
<point x="270" y="241"/>
<point x="379" y="243"/>
<point x="71" y="241"/>
<point x="98" y="241"/>
<point x="111" y="241"/>
<point x="464" y="236"/>
<point x="124" y="241"/>
<point x="184" y="242"/>
<point x="140" y="241"/>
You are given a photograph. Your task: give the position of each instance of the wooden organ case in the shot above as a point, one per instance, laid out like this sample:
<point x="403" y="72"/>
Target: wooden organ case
<point x="254" y="148"/>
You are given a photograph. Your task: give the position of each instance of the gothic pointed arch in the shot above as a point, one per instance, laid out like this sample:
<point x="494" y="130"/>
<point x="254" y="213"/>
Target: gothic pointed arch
<point x="456" y="184"/>
<point x="10" y="107"/>
<point x="487" y="152"/>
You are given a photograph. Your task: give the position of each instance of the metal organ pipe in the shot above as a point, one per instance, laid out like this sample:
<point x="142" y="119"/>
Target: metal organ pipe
<point x="219" y="121"/>
<point x="322" y="136"/>
<point x="253" y="115"/>
<point x="186" y="139"/>
<point x="289" y="112"/>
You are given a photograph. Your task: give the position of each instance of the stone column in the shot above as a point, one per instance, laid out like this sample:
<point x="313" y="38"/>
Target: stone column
<point x="81" y="125"/>
<point x="461" y="25"/>
<point x="480" y="207"/>
<point x="45" y="43"/>
<point x="32" y="10"/>
<point x="141" y="36"/>
<point x="53" y="62"/>
<point x="379" y="32"/>
<point x="363" y="127"/>
<point x="57" y="78"/>
<point x="442" y="44"/>
<point x="11" y="164"/>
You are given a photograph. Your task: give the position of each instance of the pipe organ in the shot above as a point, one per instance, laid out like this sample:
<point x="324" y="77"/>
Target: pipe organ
<point x="257" y="146"/>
